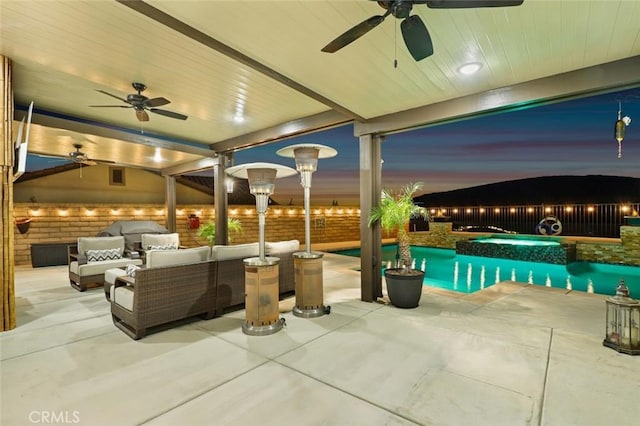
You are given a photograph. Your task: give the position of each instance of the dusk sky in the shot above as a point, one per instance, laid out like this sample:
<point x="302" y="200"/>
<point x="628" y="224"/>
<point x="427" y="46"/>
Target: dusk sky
<point x="567" y="138"/>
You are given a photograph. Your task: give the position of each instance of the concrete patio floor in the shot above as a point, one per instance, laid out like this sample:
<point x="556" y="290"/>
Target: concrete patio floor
<point x="513" y="354"/>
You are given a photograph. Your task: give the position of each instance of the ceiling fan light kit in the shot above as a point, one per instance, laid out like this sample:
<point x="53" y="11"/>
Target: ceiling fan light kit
<point x="141" y="104"/>
<point x="414" y="31"/>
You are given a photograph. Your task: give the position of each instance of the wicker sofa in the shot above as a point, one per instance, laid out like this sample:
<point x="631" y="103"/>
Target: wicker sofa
<point x="177" y="284"/>
<point x="174" y="284"/>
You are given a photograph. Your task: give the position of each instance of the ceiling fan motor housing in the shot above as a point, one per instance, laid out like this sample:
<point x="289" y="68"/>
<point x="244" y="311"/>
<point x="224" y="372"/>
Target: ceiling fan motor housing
<point x="399" y="8"/>
<point x="136" y="98"/>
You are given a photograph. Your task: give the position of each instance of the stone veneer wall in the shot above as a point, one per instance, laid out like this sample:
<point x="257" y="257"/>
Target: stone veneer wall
<point x="625" y="251"/>
<point x="439" y="235"/>
<point x="51" y="223"/>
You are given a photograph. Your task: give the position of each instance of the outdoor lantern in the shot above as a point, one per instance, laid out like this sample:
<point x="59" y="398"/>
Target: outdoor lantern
<point x="619" y="128"/>
<point x="262" y="272"/>
<point x="308" y="265"/>
<point x="623" y="322"/>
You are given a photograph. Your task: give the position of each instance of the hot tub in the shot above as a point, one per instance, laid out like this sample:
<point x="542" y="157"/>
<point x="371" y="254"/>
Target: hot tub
<point x="527" y="248"/>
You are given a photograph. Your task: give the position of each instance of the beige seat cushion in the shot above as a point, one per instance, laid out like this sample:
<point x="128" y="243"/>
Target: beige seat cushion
<point x="100" y="243"/>
<point x="281" y="247"/>
<point x="156" y="258"/>
<point x="110" y="275"/>
<point x="238" y="251"/>
<point x="95" y="268"/>
<point x="123" y="296"/>
<point x="160" y="240"/>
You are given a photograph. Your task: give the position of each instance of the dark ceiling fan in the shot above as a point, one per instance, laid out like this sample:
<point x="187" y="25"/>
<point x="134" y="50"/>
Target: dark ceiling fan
<point x="414" y="32"/>
<point x="78" y="157"/>
<point x="141" y="104"/>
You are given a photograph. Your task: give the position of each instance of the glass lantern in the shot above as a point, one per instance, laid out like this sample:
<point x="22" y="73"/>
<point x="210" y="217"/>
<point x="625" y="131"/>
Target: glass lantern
<point x="623" y="322"/>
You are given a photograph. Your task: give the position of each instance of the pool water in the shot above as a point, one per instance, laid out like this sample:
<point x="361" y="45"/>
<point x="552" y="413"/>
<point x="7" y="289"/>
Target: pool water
<point x="516" y="242"/>
<point x="467" y="274"/>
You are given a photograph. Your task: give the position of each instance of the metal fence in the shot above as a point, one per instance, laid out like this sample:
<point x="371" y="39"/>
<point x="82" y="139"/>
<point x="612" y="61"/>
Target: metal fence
<point x="593" y="220"/>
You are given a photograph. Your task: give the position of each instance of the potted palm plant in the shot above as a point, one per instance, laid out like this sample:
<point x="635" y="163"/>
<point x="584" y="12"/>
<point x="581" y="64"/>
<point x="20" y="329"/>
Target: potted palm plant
<point x="404" y="284"/>
<point x="208" y="230"/>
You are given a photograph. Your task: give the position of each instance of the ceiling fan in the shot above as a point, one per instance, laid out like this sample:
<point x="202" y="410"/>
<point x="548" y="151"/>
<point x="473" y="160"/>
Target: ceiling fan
<point x="78" y="157"/>
<point x="414" y="32"/>
<point x="141" y="104"/>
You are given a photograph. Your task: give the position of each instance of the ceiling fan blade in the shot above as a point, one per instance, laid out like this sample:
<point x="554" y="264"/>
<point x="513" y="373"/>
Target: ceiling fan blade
<point x="156" y="102"/>
<point x="111" y="106"/>
<point x="113" y="96"/>
<point x="168" y="113"/>
<point x="88" y="162"/>
<point x="416" y="37"/>
<point x="59" y="157"/>
<point x="355" y="33"/>
<point x="465" y="4"/>
<point x="142" y="115"/>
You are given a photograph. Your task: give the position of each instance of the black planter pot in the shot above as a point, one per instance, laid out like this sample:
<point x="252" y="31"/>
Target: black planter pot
<point x="404" y="291"/>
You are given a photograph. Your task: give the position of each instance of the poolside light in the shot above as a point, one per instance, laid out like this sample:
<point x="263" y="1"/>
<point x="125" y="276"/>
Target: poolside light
<point x="623" y="322"/>
<point x="261" y="273"/>
<point x="308" y="277"/>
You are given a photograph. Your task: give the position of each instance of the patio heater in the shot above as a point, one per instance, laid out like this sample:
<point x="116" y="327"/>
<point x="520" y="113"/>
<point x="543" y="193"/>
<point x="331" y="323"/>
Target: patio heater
<point x="261" y="273"/>
<point x="623" y="322"/>
<point x="308" y="265"/>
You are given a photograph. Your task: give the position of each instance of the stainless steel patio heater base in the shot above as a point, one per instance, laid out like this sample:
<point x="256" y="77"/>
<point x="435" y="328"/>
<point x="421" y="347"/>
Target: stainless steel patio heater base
<point x="309" y="292"/>
<point x="261" y="296"/>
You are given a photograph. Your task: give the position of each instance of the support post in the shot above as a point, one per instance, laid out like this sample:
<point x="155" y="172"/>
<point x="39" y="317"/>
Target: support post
<point x="7" y="153"/>
<point x="170" y="202"/>
<point x="221" y="199"/>
<point x="370" y="237"/>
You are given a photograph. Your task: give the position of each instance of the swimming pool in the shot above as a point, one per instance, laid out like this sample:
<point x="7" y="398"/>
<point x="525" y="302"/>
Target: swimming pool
<point x="467" y="274"/>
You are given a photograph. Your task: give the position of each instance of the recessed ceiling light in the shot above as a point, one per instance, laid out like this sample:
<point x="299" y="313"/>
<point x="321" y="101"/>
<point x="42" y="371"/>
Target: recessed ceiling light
<point x="469" y="68"/>
<point x="238" y="118"/>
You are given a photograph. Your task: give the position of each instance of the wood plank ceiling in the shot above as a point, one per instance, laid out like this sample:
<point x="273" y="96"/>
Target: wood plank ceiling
<point x="270" y="71"/>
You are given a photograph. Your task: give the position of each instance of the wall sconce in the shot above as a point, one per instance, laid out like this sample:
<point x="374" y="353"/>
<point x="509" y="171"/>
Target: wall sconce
<point x="229" y="183"/>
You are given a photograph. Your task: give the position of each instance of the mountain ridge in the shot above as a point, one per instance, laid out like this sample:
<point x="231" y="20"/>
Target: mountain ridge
<point x="562" y="189"/>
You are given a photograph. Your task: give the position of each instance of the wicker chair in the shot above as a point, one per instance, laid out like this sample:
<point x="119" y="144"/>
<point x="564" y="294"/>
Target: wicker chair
<point x="83" y="272"/>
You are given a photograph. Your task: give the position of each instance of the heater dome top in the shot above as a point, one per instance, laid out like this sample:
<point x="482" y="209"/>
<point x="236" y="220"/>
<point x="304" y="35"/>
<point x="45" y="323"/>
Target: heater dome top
<point x="241" y="170"/>
<point x="323" y="150"/>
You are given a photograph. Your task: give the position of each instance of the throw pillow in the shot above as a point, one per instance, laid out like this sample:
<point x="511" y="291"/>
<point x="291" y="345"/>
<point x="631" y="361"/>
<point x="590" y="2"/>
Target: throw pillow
<point x="101" y="255"/>
<point x="170" y="246"/>
<point x="131" y="270"/>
